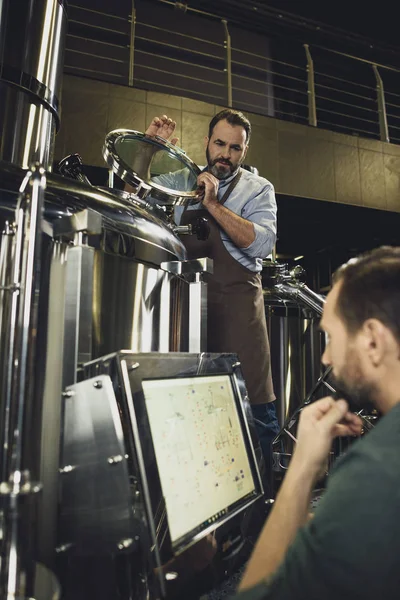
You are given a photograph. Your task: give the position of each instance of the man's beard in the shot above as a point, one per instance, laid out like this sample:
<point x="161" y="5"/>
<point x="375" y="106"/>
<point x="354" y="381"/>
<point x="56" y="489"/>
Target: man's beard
<point x="358" y="394"/>
<point x="220" y="172"/>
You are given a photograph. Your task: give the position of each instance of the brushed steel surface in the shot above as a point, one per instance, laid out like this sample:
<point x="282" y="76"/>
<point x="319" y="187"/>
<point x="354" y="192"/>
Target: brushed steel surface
<point x="293" y="312"/>
<point x="137" y="307"/>
<point x="92" y="435"/>
<point x="30" y="79"/>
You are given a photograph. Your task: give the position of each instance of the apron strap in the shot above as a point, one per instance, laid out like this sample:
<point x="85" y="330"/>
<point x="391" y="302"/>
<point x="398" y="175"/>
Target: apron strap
<point x="231" y="187"/>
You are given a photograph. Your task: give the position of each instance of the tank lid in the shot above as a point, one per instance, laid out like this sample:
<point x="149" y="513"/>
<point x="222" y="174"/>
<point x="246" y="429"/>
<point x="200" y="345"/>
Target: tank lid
<point x="122" y="212"/>
<point x="152" y="166"/>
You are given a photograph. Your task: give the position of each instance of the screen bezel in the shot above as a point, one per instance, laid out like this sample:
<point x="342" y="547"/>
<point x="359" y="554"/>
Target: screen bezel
<point x="192" y="533"/>
<point x="184" y="366"/>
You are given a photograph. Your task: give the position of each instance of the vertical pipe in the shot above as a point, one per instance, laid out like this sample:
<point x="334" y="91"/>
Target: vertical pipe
<point x="228" y="62"/>
<point x="312" y="106"/>
<point x="32" y="40"/>
<point x="132" y="44"/>
<point x="380" y="93"/>
<point x="21" y="402"/>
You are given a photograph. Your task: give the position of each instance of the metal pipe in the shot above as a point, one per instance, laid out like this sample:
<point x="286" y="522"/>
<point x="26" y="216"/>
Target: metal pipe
<point x="228" y="62"/>
<point x="22" y="404"/>
<point x="32" y="51"/>
<point x="312" y="108"/>
<point x="302" y="294"/>
<point x="132" y="44"/>
<point x="380" y="93"/>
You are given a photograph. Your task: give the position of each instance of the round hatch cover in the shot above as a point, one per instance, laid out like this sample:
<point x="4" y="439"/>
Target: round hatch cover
<point x="152" y="166"/>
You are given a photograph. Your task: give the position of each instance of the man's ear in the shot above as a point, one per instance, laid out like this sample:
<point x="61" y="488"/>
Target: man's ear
<point x="245" y="151"/>
<point x="206" y="140"/>
<point x="377" y="340"/>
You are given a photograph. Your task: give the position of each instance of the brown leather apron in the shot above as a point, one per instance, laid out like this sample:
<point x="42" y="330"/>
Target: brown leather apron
<point x="235" y="308"/>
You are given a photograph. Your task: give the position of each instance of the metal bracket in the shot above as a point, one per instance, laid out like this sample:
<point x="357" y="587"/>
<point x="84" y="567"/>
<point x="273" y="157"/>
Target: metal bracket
<point x="189" y="269"/>
<point x="85" y="221"/>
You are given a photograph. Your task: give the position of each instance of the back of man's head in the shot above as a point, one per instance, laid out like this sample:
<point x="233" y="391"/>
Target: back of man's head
<point x="234" y="118"/>
<point x="370" y="289"/>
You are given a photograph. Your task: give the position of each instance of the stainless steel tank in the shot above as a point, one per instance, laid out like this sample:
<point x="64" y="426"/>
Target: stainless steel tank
<point x="118" y="258"/>
<point x="293" y="313"/>
<point x="110" y="275"/>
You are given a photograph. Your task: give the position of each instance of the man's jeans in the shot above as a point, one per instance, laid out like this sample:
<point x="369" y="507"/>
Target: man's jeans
<point x="267" y="428"/>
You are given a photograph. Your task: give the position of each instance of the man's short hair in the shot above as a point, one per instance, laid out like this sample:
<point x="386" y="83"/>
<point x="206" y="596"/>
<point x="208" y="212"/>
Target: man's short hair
<point x="370" y="289"/>
<point x="234" y="117"/>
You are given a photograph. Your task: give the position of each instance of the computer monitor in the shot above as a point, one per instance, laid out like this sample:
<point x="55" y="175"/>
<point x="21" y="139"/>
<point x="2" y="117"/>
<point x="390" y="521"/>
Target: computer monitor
<point x="195" y="458"/>
<point x="203" y="463"/>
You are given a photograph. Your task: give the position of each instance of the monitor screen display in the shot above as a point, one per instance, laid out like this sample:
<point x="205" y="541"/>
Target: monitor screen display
<point x="201" y="454"/>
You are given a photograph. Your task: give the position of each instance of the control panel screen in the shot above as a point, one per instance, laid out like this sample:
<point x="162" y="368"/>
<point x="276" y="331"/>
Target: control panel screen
<point x="201" y="454"/>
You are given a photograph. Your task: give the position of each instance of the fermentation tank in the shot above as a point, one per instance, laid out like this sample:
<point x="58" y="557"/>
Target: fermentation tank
<point x="293" y="313"/>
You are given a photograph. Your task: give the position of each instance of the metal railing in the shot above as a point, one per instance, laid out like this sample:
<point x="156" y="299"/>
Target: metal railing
<point x="211" y="61"/>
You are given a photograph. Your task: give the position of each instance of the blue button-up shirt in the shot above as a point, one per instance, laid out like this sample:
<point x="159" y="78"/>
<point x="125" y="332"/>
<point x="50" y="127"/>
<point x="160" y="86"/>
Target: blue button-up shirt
<point x="253" y="198"/>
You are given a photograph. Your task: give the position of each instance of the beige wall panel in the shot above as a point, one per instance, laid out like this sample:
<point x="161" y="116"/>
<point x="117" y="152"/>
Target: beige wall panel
<point x="372" y="179"/>
<point x="291" y="127"/>
<point x="126" y="114"/>
<point x="367" y="144"/>
<point x="218" y="108"/>
<point x="348" y="140"/>
<point x="319" y="134"/>
<point x="194" y="129"/>
<point x="263" y="153"/>
<point x="293" y="164"/>
<point x="198" y="107"/>
<point x="166" y="100"/>
<point x="391" y="149"/>
<point x="260" y="121"/>
<point x="392" y="182"/>
<point x="347" y="174"/>
<point x="85" y="125"/>
<point x="80" y="85"/>
<point x="128" y="93"/>
<point x="321" y="170"/>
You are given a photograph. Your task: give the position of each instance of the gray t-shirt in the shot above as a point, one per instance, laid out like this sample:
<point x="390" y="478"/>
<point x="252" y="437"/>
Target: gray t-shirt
<point x="351" y="548"/>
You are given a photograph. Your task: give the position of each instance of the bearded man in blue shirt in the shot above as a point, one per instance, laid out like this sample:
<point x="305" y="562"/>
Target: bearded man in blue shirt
<point x="241" y="211"/>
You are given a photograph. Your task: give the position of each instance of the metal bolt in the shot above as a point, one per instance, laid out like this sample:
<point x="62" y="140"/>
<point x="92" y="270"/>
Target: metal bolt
<point x="98" y="384"/>
<point x="67" y="468"/>
<point x="133" y="366"/>
<point x="236" y="364"/>
<point x="125" y="543"/>
<point x="68" y="394"/>
<point x="63" y="547"/>
<point x="113" y="460"/>
<point x="171" y="575"/>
